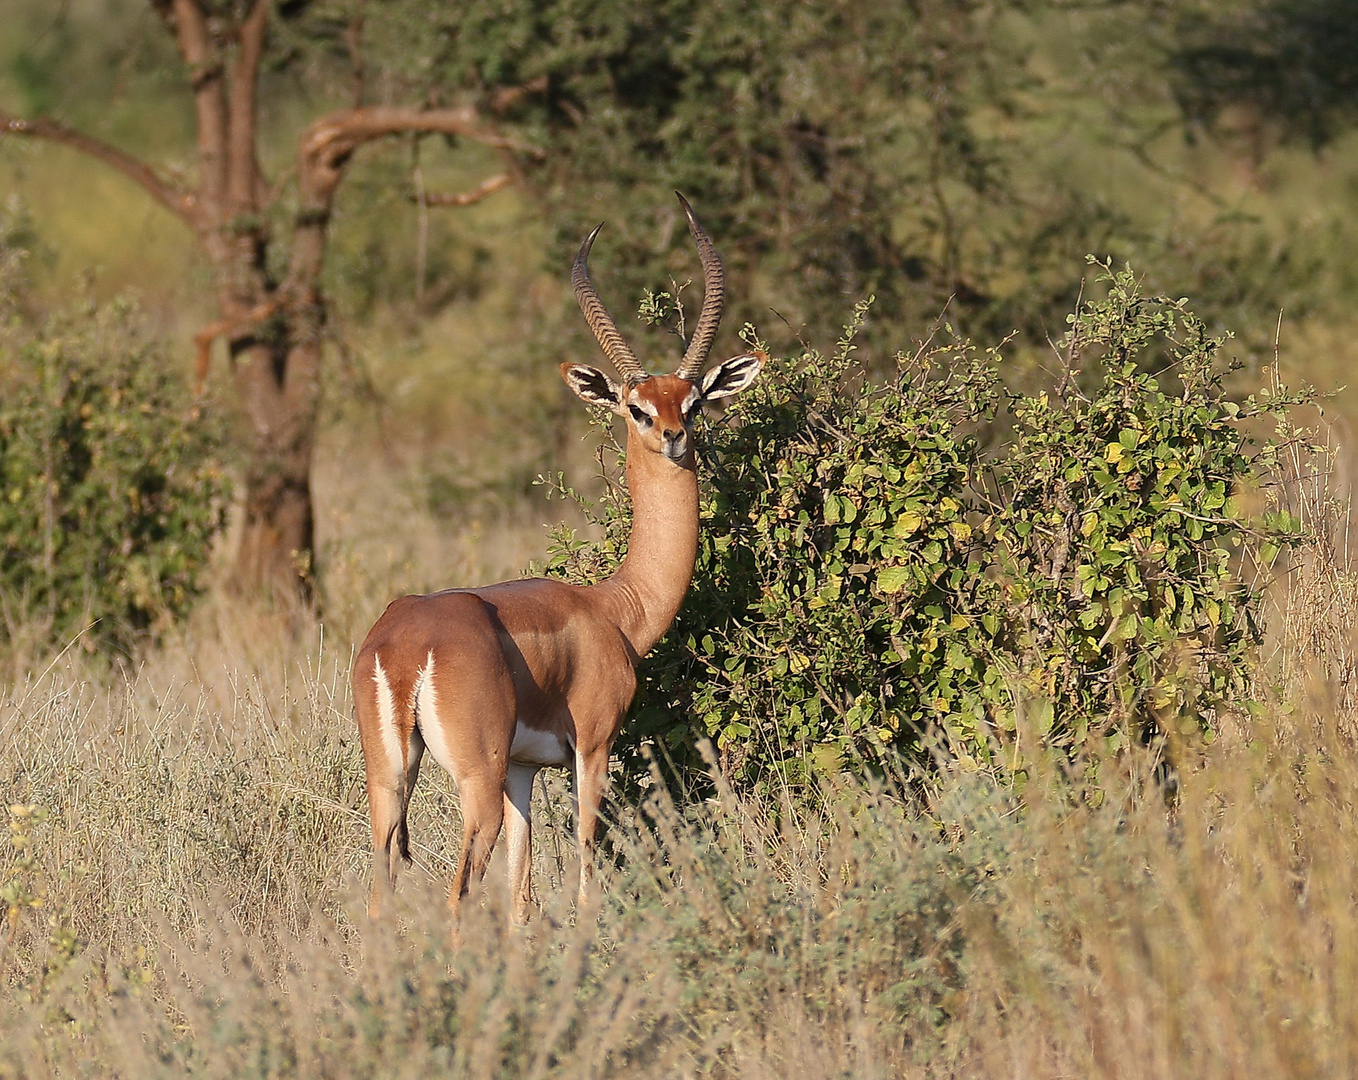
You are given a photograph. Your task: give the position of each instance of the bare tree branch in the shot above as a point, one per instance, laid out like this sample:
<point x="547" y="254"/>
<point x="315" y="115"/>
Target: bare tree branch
<point x="330" y="141"/>
<point x="175" y="199"/>
<point x="243" y="186"/>
<point x="207" y="78"/>
<point x="507" y="97"/>
<point x="501" y="101"/>
<point x="212" y="331"/>
<point x="467" y="198"/>
<point x="326" y="146"/>
<point x="273" y="192"/>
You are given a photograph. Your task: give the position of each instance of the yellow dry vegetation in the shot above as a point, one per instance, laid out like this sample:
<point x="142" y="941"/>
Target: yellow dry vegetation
<point x="183" y="887"/>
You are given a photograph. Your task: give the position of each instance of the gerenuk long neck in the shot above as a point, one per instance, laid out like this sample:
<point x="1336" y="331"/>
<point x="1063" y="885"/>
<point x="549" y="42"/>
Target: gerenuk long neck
<point x="647" y="589"/>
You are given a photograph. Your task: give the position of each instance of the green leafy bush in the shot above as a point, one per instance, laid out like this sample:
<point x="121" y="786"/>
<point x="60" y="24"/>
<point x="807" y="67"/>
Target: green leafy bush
<point x="870" y="578"/>
<point x="111" y="489"/>
<point x="1116" y="519"/>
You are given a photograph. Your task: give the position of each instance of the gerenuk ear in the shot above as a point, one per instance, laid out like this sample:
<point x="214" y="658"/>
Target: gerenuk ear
<point x="593" y="386"/>
<point x="731" y="376"/>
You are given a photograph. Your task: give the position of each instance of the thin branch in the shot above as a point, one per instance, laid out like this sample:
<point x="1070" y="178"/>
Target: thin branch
<point x="353" y="41"/>
<point x="422" y="223"/>
<point x="274" y="191"/>
<point x="179" y="202"/>
<point x="212" y="331"/>
<point x="207" y="78"/>
<point x="507" y="97"/>
<point x="465" y="198"/>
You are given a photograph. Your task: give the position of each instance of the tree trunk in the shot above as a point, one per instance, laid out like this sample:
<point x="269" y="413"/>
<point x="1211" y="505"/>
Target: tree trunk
<point x="274" y="341"/>
<point x="278" y="386"/>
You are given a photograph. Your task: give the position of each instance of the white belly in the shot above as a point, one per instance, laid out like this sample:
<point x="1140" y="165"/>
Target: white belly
<point x="533" y="747"/>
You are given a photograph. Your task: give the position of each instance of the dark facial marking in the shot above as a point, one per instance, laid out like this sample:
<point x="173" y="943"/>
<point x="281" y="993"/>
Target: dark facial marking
<point x="594" y="382"/>
<point x="730" y="375"/>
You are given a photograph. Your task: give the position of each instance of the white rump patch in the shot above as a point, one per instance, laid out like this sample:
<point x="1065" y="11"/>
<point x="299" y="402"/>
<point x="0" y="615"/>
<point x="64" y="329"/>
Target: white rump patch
<point x="426" y="705"/>
<point x="386" y="717"/>
<point x="534" y="747"/>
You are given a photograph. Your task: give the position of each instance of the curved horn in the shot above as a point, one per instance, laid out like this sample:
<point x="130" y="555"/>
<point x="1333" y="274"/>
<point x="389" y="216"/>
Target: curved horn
<point x="714" y="299"/>
<point x="600" y="321"/>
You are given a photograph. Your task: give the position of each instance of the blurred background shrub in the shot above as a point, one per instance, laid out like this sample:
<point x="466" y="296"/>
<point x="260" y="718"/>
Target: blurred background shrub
<point x="112" y="484"/>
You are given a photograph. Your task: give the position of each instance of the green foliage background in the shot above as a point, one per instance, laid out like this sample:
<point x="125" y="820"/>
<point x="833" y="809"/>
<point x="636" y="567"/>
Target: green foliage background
<point x="111" y="481"/>
<point x="918" y="152"/>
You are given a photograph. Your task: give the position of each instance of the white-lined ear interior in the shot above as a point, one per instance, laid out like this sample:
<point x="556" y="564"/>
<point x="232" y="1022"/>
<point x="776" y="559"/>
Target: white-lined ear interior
<point x="732" y="376"/>
<point x="591" y="385"/>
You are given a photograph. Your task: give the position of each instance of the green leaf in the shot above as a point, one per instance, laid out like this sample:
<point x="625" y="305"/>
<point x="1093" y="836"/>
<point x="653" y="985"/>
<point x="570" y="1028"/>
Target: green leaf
<point x="909" y="522"/>
<point x="892" y="579"/>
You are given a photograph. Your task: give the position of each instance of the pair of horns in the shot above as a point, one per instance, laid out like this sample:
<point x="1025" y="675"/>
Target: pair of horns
<point x="606" y="331"/>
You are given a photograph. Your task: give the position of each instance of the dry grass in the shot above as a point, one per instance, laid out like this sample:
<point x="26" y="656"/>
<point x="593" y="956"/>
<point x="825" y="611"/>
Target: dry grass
<point x="206" y="848"/>
<point x="1311" y="609"/>
<point x="209" y="865"/>
<point x="204" y="855"/>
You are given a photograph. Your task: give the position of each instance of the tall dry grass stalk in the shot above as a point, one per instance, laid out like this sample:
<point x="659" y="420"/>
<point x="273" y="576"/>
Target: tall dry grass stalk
<point x="1311" y="613"/>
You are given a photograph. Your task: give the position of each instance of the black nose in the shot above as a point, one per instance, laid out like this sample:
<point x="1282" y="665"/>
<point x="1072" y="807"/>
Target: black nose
<point x="674" y="443"/>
